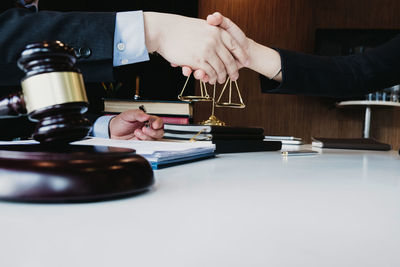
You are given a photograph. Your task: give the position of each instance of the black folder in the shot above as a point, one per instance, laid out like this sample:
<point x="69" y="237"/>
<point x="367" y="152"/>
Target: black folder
<point x="250" y="145"/>
<point x="212" y="129"/>
<point x="227" y="139"/>
<point x="350" y="143"/>
<point x="211" y="133"/>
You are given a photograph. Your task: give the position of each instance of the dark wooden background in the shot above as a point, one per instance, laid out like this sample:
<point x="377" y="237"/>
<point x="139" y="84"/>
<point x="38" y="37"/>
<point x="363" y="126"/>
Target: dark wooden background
<point x="291" y="24"/>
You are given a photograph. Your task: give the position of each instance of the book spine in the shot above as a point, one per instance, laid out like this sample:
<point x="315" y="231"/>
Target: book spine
<point x="169" y="120"/>
<point x="175" y="120"/>
<point x="160" y="108"/>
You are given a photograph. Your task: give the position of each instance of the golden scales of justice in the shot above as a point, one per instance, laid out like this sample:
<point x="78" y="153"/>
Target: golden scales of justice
<point x="204" y="96"/>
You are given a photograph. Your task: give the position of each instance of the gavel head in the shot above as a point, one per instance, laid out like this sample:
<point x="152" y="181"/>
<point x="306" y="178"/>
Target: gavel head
<point x="54" y="92"/>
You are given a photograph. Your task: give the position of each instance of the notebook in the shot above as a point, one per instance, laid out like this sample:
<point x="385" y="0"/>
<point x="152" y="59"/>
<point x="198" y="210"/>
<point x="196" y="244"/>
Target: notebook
<point x="160" y="154"/>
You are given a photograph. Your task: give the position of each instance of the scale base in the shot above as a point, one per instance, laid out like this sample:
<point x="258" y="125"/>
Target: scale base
<point x="212" y="120"/>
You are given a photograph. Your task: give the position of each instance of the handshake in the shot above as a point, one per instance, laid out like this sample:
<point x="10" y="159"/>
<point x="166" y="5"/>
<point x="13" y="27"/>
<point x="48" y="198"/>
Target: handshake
<point x="213" y="49"/>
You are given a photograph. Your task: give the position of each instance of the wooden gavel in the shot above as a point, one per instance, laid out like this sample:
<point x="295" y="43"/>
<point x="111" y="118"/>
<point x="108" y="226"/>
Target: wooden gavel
<point x="53" y="94"/>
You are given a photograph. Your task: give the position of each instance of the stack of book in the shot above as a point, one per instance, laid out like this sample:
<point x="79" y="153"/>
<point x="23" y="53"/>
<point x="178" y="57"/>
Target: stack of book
<point x="286" y="140"/>
<point x="176" y="112"/>
<point x="227" y="139"/>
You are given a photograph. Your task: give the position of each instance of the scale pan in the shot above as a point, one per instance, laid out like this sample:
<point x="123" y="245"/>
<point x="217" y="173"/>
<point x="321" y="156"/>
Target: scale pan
<point x="230" y="105"/>
<point x="195" y="98"/>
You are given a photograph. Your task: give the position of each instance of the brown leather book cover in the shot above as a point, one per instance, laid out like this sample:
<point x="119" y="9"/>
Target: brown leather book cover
<point x="350" y="143"/>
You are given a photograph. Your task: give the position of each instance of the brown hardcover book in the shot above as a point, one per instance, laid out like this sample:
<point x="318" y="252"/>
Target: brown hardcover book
<point x="155" y="107"/>
<point x="176" y="120"/>
<point x="350" y="143"/>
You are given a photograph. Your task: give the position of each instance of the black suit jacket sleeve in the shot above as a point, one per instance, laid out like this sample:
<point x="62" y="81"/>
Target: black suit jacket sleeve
<point x="339" y="76"/>
<point x="93" y="30"/>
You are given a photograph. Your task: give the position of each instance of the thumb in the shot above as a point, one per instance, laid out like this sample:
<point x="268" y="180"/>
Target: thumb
<point x="134" y="115"/>
<point x="215" y="19"/>
<point x="225" y="23"/>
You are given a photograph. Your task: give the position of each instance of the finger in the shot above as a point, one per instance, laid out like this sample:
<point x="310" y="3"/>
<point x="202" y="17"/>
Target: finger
<point x="212" y="75"/>
<point x="134" y="115"/>
<point x="199" y="75"/>
<point x="205" y="79"/>
<point x="173" y="65"/>
<point x="142" y="136"/>
<point x="231" y="28"/>
<point x="225" y="23"/>
<point x="156" y="123"/>
<point x="215" y="19"/>
<point x="233" y="46"/>
<point x="152" y="133"/>
<point x="186" y="71"/>
<point x="230" y="64"/>
<point x="219" y="66"/>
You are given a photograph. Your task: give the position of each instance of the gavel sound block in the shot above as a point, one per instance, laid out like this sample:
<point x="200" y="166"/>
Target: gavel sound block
<point x="54" y="96"/>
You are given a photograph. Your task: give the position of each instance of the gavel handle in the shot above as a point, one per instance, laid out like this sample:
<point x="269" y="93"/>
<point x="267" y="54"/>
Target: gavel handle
<point x="12" y="105"/>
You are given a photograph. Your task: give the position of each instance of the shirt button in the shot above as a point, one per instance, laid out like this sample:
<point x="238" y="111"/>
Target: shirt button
<point x="77" y="53"/>
<point x="85" y="51"/>
<point x="121" y="46"/>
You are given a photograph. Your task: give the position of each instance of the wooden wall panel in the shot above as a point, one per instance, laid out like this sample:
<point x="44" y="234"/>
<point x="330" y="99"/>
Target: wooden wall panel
<point x="357" y="14"/>
<point x="291" y="25"/>
<point x="265" y="22"/>
<point x="365" y="14"/>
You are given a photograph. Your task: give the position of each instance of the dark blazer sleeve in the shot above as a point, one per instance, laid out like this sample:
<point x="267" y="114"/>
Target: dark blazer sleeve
<point x="338" y="76"/>
<point x="88" y="30"/>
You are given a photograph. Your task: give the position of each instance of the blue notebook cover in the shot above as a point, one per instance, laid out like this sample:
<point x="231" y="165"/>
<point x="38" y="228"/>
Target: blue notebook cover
<point x="178" y="161"/>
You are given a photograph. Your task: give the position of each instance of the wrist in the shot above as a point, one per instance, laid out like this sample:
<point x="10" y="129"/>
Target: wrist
<point x="110" y="127"/>
<point x="252" y="54"/>
<point x="264" y="60"/>
<point x="151" y="31"/>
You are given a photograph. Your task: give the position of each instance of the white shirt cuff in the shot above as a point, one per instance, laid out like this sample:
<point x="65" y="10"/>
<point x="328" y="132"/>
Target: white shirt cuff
<point x="129" y="39"/>
<point x="101" y="126"/>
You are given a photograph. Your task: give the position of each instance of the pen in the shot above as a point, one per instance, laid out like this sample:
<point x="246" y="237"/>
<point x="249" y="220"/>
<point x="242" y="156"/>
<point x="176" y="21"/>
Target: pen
<point x="282" y="137"/>
<point x="304" y="152"/>
<point x="141" y="107"/>
<point x="146" y="123"/>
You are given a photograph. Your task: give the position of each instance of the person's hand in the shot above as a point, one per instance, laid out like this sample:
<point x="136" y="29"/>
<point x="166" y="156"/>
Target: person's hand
<point x="131" y="125"/>
<point x="261" y="59"/>
<point x="216" y="19"/>
<point x="193" y="43"/>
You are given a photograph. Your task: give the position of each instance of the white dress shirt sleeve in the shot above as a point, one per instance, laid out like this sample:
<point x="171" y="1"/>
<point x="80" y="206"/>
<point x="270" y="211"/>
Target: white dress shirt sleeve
<point x="129" y="48"/>
<point x="101" y="127"/>
<point x="129" y="39"/>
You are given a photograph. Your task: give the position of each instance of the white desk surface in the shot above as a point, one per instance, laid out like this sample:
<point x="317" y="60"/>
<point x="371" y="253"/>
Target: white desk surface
<point x="340" y="208"/>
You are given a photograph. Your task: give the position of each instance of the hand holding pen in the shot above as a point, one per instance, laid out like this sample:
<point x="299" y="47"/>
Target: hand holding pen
<point x="146" y="123"/>
<point x="136" y="124"/>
